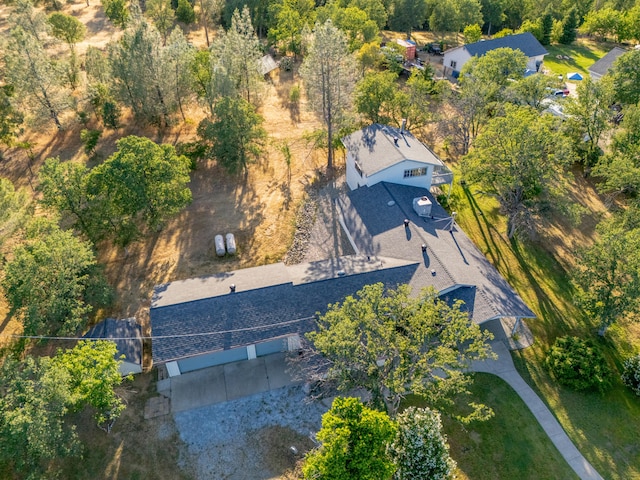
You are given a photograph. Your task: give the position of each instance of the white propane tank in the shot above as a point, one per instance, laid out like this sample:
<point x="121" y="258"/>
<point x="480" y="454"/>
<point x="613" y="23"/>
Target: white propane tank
<point x="219" y="241"/>
<point x="231" y="244"/>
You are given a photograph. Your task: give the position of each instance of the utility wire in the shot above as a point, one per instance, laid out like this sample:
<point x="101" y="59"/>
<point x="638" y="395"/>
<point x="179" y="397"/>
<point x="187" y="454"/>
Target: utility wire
<point x="155" y="337"/>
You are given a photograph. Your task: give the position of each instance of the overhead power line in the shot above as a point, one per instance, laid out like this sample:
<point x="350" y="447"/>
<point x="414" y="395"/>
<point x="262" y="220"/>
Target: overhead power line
<point x="156" y="337"/>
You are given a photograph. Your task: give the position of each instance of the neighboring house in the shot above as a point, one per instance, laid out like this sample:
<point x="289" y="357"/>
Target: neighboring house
<point x="267" y="65"/>
<point x="602" y="66"/>
<point x="455" y="58"/>
<point x="127" y="335"/>
<point x="380" y="153"/>
<point x="248" y="313"/>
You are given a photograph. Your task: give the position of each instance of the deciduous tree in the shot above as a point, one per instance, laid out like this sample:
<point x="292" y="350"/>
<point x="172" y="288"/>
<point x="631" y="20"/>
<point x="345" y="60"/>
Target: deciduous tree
<point x="139" y="187"/>
<point x="607" y="275"/>
<point x="52" y="280"/>
<point x="626" y="78"/>
<point x="236" y="136"/>
<point x="354" y="441"/>
<point x="10" y="117"/>
<point x="15" y="208"/>
<point x="392" y="343"/>
<point x="162" y="16"/>
<point x="519" y="158"/>
<point x="497" y="66"/>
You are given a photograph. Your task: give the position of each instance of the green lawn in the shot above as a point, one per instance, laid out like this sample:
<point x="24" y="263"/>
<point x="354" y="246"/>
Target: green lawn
<point x="510" y="445"/>
<point x="605" y="428"/>
<point x="582" y="55"/>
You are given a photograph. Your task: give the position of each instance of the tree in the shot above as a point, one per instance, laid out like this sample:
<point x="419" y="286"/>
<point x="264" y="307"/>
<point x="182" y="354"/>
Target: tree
<point x="493" y="13"/>
<point x="535" y="28"/>
<point x="589" y="118"/>
<point x="468" y="12"/>
<point x="531" y="90"/>
<point x="67" y="28"/>
<point x="200" y="71"/>
<point x="354" y="440"/>
<point x="236" y="137"/>
<point x="209" y="13"/>
<point x="497" y="66"/>
<point x="607" y="274"/>
<point x="34" y="399"/>
<point x="354" y="23"/>
<point x="626" y="78"/>
<point x="185" y="12"/>
<point x="569" y="25"/>
<point x="470" y="112"/>
<point x="15" y="208"/>
<point x="178" y="56"/>
<point x="375" y="96"/>
<point x="233" y="74"/>
<point x="620" y="167"/>
<point x="519" y="158"/>
<point x="141" y="74"/>
<point x="52" y="279"/>
<point x="36" y="78"/>
<point x="420" y="450"/>
<point x="93" y="376"/>
<point x="290" y="19"/>
<point x="547" y="26"/>
<point x="603" y="23"/>
<point x="116" y="11"/>
<point x="162" y="16"/>
<point x="405" y="15"/>
<point x="328" y="71"/>
<point x="10" y="117"/>
<point x="139" y="187"/>
<point x="392" y="343"/>
<point x="472" y="33"/>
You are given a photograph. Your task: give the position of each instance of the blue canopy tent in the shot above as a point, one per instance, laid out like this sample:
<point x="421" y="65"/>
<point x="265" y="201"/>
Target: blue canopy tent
<point x="574" y="76"/>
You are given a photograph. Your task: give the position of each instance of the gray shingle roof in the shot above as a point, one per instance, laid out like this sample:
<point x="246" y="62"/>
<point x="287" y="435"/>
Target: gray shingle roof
<point x="274" y="294"/>
<point x="256" y="312"/>
<point x="374" y="148"/>
<point x="602" y="66"/>
<point x="128" y="333"/>
<point x="525" y="42"/>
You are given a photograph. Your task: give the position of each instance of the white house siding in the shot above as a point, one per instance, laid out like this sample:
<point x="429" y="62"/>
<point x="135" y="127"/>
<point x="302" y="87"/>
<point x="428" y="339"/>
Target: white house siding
<point x="354" y="180"/>
<point x="395" y="174"/>
<point x="457" y="55"/>
<point x="531" y="64"/>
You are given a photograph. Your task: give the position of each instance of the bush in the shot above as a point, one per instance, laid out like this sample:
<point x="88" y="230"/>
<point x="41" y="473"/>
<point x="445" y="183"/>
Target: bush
<point x="631" y="374"/>
<point x="110" y="115"/>
<point x="90" y="140"/>
<point x="286" y="64"/>
<point x="578" y="364"/>
<point x="184" y="12"/>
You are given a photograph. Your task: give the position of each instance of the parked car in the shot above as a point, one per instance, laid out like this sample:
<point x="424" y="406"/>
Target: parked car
<point x="559" y="92"/>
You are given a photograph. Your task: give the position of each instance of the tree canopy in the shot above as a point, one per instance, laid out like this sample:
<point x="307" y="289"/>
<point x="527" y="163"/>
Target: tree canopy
<point x="354" y="442"/>
<point x="392" y="343"/>
<point x="626" y="78"/>
<point x="52" y="280"/>
<point x="520" y="159"/>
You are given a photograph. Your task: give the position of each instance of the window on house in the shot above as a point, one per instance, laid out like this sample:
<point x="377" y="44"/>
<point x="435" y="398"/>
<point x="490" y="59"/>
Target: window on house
<point x="415" y="172"/>
<point x="454" y="64"/>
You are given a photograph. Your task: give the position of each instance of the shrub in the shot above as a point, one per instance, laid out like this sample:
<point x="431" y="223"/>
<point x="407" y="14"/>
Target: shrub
<point x="631" y="374"/>
<point x="578" y="364"/>
<point x="420" y="449"/>
<point x="110" y="114"/>
<point x="90" y="140"/>
<point x="286" y="64"/>
<point x="184" y="12"/>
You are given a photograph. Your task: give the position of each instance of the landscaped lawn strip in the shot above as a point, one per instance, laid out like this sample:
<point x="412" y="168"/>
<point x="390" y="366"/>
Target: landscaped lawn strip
<point x="511" y="444"/>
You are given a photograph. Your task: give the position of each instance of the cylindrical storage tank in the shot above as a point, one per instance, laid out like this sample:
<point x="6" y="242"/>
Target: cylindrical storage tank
<point x="231" y="244"/>
<point x="219" y="241"/>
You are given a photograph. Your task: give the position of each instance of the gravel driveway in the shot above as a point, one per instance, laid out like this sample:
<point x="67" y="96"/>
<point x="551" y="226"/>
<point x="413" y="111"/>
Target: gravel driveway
<point x="249" y="438"/>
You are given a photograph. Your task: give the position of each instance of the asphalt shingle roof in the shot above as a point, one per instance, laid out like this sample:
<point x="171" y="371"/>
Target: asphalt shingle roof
<point x="280" y="300"/>
<point x="374" y="149"/>
<point x="603" y="65"/>
<point x="525" y="42"/>
<point x="255" y="313"/>
<point x="128" y="333"/>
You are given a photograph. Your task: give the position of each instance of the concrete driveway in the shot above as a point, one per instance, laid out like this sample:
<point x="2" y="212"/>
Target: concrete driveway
<point x="226" y="382"/>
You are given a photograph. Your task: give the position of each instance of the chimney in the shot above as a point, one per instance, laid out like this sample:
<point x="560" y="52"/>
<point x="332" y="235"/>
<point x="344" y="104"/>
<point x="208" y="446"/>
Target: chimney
<point x="404" y="125"/>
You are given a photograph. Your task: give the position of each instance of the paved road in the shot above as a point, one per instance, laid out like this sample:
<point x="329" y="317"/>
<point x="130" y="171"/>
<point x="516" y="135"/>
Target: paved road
<point x="504" y="368"/>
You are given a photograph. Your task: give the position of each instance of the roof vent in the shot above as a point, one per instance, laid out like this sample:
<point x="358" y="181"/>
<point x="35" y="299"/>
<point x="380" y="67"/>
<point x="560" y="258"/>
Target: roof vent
<point x="404" y="125"/>
<point x="395" y="140"/>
